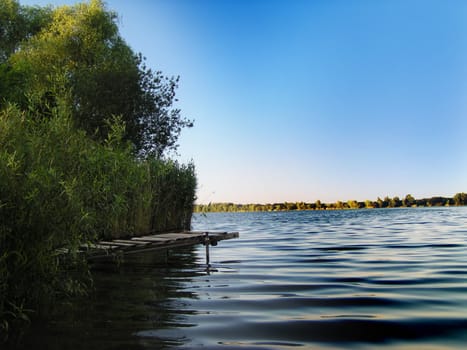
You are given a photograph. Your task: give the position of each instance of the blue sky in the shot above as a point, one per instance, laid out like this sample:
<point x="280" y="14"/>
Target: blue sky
<point x="304" y="100"/>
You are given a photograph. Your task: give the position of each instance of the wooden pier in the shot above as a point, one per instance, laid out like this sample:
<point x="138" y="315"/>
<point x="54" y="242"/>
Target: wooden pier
<point x="162" y="241"/>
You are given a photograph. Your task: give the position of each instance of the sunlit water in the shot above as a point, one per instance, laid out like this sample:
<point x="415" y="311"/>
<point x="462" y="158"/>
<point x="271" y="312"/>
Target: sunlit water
<point x="389" y="279"/>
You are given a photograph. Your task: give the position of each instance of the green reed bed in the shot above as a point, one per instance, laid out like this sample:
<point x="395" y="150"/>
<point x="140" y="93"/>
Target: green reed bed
<point x="60" y="189"/>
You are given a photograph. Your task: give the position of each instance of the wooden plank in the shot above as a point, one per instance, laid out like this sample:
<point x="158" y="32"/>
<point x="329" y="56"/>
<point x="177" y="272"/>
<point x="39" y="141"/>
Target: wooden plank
<point x="103" y="247"/>
<point x="151" y="239"/>
<point x="154" y="242"/>
<point x="173" y="234"/>
<point x="131" y="242"/>
<point x="113" y="243"/>
<point x="165" y="237"/>
<point x="223" y="236"/>
<point x="180" y="236"/>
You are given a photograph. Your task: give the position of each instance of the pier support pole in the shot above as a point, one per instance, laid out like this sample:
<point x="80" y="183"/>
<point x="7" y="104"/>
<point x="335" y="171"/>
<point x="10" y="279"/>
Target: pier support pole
<point x="206" y="243"/>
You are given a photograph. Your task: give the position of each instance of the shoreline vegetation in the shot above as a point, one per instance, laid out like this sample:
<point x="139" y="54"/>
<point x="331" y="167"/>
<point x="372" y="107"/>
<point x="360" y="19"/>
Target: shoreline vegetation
<point x="460" y="199"/>
<point x="86" y="135"/>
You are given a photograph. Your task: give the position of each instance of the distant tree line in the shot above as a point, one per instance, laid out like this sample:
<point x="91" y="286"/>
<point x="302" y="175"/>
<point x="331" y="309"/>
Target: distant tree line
<point x="459" y="199"/>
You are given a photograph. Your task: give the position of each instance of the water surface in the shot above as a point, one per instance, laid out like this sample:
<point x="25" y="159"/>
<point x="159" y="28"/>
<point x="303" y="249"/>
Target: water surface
<point x="360" y="279"/>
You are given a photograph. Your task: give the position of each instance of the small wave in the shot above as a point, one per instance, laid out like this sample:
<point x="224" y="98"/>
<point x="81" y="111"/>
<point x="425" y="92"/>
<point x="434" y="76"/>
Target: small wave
<point x="342" y="248"/>
<point x="344" y="330"/>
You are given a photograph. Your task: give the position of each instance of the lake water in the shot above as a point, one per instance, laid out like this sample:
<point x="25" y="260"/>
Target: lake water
<point x="364" y="279"/>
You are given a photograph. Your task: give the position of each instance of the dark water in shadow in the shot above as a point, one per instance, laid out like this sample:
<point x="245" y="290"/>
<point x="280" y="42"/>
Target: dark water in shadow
<point x="142" y="292"/>
<point x="389" y="279"/>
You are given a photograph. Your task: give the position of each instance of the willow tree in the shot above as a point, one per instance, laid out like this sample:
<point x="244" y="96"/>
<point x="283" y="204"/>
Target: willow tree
<point x="76" y="56"/>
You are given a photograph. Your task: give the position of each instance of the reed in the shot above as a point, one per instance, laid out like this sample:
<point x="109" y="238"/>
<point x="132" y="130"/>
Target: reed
<point x="60" y="189"/>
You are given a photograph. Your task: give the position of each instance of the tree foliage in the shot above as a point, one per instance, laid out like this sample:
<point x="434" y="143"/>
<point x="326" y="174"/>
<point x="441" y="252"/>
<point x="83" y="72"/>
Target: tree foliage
<point x="18" y="23"/>
<point x="395" y="202"/>
<point x="460" y="198"/>
<point x="76" y="54"/>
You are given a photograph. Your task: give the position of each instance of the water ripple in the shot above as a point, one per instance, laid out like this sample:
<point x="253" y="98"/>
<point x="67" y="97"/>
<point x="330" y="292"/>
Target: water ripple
<point x="355" y="279"/>
<point x="346" y="277"/>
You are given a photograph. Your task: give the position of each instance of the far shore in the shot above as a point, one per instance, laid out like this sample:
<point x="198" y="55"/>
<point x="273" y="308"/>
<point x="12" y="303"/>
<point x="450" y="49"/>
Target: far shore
<point x="460" y="199"/>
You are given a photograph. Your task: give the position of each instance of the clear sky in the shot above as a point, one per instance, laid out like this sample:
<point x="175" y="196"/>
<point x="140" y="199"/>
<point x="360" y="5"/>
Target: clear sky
<point x="299" y="100"/>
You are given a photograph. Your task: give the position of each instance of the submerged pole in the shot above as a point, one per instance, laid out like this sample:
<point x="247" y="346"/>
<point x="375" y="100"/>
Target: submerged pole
<point x="206" y="243"/>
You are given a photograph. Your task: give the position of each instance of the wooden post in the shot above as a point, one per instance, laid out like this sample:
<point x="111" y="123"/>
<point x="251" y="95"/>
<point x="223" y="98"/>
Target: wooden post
<point x="206" y="242"/>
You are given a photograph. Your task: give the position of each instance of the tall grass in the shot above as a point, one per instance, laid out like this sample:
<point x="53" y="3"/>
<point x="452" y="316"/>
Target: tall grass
<point x="60" y="189"/>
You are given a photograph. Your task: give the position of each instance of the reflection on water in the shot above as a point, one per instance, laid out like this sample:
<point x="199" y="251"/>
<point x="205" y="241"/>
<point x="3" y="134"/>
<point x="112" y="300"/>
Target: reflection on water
<point x="343" y="279"/>
<point x="144" y="292"/>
